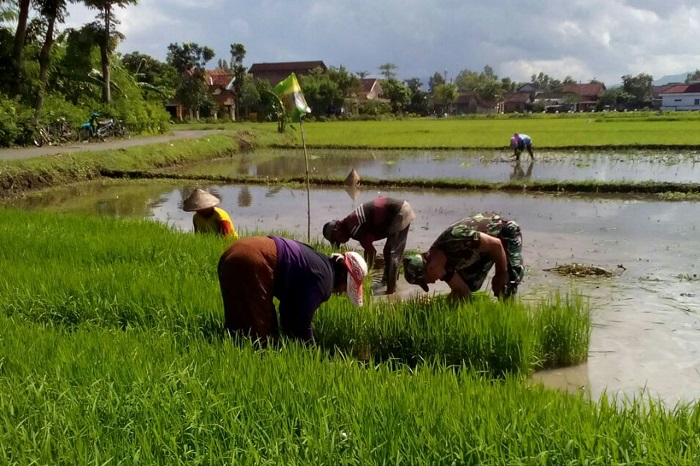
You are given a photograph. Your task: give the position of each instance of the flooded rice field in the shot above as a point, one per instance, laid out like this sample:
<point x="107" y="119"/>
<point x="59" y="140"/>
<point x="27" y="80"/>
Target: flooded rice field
<point x="486" y="165"/>
<point x="646" y="317"/>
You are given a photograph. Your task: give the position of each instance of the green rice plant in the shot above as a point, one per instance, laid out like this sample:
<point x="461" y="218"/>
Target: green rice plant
<point x="72" y="269"/>
<point x="96" y="395"/>
<point x="563" y="325"/>
<point x="493" y="337"/>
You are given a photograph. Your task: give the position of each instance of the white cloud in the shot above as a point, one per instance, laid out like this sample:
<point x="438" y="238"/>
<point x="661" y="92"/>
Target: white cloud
<point x="584" y="39"/>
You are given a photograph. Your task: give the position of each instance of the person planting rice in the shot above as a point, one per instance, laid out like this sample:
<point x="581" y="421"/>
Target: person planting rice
<point x="384" y="217"/>
<point x="208" y="218"/>
<point x="464" y="253"/>
<point x="254" y="270"/>
<point x="521" y="142"/>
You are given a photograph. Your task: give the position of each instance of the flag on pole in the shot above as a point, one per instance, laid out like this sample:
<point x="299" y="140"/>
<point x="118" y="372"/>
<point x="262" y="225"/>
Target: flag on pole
<point x="289" y="93"/>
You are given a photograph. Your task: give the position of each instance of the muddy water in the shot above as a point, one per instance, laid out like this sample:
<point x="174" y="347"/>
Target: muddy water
<point x="646" y="320"/>
<point x="487" y="165"/>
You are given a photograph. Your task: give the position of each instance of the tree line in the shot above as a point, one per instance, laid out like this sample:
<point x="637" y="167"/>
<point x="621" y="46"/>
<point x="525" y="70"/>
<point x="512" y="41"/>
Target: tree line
<point x="48" y="73"/>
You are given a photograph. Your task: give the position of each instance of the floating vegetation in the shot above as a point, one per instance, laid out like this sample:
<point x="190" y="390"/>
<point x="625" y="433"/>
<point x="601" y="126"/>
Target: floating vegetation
<point x="582" y="270"/>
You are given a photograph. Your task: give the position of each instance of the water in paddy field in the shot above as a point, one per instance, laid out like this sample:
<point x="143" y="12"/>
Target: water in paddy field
<point x="630" y="166"/>
<point x="646" y="319"/>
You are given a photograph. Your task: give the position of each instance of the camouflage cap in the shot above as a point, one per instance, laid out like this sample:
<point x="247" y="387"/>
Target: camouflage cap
<point x="414" y="270"/>
<point x="329" y="230"/>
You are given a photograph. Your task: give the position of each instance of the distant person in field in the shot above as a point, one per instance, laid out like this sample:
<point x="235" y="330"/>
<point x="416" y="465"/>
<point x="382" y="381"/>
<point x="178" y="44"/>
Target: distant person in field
<point x="254" y="270"/>
<point x="519" y="143"/>
<point x="464" y="254"/>
<point x="208" y="218"/>
<point x="384" y="217"/>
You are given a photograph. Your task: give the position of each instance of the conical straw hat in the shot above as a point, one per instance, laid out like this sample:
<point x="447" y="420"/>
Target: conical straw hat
<point x="198" y="200"/>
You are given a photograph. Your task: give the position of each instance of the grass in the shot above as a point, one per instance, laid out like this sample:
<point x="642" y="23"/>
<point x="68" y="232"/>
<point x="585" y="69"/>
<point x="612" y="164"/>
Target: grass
<point x="140" y="274"/>
<point x="96" y="395"/>
<point x="111" y="352"/>
<point x="603" y="130"/>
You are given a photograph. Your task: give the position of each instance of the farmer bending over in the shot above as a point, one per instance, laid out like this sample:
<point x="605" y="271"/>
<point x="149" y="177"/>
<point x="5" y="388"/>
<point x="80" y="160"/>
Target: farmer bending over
<point x="381" y="218"/>
<point x="255" y="269"/>
<point x="465" y="252"/>
<point x="208" y="218"/>
<point x="520" y="142"/>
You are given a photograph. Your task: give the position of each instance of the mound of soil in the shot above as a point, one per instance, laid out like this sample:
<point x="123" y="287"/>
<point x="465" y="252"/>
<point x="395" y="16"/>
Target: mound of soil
<point x="581" y="270"/>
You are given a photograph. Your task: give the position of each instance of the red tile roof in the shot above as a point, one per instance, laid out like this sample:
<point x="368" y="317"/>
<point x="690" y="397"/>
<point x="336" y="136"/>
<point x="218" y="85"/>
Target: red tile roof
<point x="590" y="89"/>
<point x="219" y="77"/>
<point x="692" y="88"/>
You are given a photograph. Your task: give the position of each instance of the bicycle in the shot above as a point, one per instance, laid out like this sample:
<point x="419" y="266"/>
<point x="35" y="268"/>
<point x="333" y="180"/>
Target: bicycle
<point x="57" y="132"/>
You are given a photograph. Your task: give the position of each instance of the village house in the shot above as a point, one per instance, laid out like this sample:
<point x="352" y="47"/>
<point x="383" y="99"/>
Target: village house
<point x="681" y="97"/>
<point x="471" y="103"/>
<point x="516" y="102"/>
<point x="587" y="95"/>
<point x="219" y="82"/>
<point x="656" y="92"/>
<point x="276" y="72"/>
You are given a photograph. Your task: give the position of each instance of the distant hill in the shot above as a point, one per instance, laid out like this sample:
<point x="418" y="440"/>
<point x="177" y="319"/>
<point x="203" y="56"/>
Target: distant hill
<point x="671" y="78"/>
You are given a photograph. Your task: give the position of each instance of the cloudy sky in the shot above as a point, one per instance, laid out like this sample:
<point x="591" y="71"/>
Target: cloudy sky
<point x="584" y="39"/>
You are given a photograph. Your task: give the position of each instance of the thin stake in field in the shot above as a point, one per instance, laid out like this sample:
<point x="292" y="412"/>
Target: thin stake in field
<point x="293" y="106"/>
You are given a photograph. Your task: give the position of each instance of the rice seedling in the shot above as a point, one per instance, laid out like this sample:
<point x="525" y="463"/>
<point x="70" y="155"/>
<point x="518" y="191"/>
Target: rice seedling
<point x="72" y="269"/>
<point x="94" y="395"/>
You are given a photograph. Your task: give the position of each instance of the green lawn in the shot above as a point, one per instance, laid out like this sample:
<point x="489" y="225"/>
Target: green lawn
<point x="547" y="131"/>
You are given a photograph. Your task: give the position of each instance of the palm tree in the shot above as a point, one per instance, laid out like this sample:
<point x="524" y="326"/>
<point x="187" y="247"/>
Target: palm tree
<point x="107" y="38"/>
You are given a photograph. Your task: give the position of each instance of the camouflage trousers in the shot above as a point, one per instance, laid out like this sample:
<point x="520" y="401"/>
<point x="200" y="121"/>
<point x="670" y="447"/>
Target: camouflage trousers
<point x="512" y="241"/>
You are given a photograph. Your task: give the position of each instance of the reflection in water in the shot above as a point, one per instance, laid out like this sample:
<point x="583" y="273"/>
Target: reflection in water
<point x="245" y="198"/>
<point x="646" y="323"/>
<point x="353" y="191"/>
<point x="519" y="174"/>
<point x="273" y="190"/>
<point x="479" y="165"/>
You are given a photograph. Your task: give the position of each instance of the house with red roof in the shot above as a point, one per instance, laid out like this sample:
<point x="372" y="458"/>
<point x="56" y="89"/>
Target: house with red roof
<point x="587" y="95"/>
<point x="681" y="97"/>
<point x="278" y="71"/>
<point x="219" y="83"/>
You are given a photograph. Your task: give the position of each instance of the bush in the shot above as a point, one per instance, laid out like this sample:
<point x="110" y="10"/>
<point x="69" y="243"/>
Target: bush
<point x="14" y="122"/>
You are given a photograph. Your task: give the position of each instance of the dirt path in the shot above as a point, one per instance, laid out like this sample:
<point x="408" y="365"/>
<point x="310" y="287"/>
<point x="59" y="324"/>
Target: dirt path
<point x="21" y="153"/>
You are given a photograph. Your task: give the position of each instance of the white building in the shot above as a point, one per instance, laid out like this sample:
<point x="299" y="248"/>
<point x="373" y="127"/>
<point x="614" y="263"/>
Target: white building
<point x="681" y="97"/>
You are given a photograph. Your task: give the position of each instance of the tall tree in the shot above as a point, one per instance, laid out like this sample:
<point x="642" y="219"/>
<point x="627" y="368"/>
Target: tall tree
<point x="108" y="37"/>
<point x="694" y="76"/>
<point x="546" y="82"/>
<point x="157" y="79"/>
<point x="388" y="70"/>
<point x="418" y="97"/>
<point x="18" y="46"/>
<point x="444" y="95"/>
<point x="237" y="55"/>
<point x="434" y="81"/>
<point x="9" y="10"/>
<point x="190" y="61"/>
<point x="52" y="11"/>
<point x="397" y="93"/>
<point x="639" y="86"/>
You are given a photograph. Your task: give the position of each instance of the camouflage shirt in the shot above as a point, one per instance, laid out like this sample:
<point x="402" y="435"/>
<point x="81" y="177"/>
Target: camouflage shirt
<point x="460" y="241"/>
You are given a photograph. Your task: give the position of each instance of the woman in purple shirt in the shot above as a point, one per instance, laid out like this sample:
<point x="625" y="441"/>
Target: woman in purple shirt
<point x="254" y="270"/>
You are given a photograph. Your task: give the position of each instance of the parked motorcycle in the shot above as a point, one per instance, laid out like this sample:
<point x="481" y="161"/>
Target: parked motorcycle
<point x="102" y="129"/>
<point x="94" y="128"/>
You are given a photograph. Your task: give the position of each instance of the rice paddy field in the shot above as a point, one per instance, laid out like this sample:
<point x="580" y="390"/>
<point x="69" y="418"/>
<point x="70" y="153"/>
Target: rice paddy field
<point x="112" y="351"/>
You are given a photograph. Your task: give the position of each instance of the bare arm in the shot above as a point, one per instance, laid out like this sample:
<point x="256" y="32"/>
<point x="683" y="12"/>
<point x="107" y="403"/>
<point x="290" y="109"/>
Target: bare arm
<point x="460" y="290"/>
<point x="494" y="248"/>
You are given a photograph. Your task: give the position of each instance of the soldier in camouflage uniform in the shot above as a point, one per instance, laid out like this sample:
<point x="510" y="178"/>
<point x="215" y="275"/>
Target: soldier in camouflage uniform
<point x="465" y="252"/>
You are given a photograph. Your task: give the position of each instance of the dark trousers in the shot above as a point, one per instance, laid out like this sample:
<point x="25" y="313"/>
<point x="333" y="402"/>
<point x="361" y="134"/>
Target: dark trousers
<point x="393" y="253"/>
